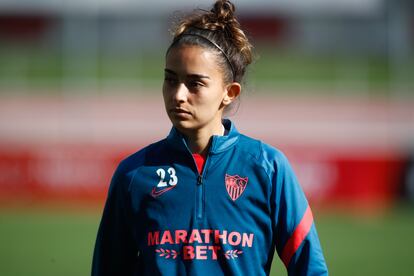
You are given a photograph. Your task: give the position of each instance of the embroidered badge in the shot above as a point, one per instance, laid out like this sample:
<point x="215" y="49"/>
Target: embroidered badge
<point x="235" y="185"/>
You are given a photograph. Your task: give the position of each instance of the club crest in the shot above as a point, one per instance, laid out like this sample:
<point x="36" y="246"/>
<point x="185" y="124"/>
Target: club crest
<point x="235" y="185"/>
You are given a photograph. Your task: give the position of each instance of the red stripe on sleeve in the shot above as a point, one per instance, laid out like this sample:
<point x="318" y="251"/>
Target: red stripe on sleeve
<point x="297" y="237"/>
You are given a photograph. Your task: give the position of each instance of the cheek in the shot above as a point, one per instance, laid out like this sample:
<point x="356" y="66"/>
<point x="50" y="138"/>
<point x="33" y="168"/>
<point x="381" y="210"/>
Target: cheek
<point x="165" y="93"/>
<point x="211" y="100"/>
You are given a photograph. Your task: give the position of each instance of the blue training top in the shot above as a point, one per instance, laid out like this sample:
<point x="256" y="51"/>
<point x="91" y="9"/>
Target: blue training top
<point x="163" y="218"/>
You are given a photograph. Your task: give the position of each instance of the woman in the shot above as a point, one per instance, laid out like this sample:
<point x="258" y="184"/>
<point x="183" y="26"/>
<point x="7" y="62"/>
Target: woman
<point x="206" y="200"/>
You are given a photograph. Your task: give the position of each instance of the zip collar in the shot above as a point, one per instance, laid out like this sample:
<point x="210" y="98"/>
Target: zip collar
<point x="218" y="143"/>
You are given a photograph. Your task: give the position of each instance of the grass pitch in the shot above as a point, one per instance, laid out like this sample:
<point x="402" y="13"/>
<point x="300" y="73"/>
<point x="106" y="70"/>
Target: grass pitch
<point x="50" y="241"/>
<point x="273" y="70"/>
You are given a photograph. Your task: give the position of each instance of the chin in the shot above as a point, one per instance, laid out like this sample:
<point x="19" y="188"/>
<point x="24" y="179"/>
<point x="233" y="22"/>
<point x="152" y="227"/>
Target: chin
<point x="183" y="125"/>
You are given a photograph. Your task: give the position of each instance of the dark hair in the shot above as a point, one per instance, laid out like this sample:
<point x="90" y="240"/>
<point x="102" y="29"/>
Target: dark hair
<point x="217" y="30"/>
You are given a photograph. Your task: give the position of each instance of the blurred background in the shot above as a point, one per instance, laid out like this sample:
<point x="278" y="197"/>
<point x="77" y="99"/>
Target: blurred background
<point x="332" y="86"/>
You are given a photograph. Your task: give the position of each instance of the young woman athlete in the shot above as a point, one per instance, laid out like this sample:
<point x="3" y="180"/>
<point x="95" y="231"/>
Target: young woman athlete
<point x="206" y="200"/>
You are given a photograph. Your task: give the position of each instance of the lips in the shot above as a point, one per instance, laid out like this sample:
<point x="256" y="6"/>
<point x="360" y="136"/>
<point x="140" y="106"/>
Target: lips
<point x="179" y="111"/>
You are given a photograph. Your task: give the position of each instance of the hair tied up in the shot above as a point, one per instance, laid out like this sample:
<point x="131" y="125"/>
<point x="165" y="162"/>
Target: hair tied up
<point x="224" y="10"/>
<point x="220" y="30"/>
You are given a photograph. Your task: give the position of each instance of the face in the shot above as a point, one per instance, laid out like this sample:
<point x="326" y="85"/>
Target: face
<point x="194" y="91"/>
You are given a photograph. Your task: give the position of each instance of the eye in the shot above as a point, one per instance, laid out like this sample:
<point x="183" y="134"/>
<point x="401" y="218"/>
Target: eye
<point x="195" y="84"/>
<point x="170" y="81"/>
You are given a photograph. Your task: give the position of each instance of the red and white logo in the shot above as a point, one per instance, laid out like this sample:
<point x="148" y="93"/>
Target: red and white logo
<point x="235" y="185"/>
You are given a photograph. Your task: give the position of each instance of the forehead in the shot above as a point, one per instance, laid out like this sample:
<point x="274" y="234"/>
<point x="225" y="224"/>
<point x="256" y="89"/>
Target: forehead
<point x="192" y="59"/>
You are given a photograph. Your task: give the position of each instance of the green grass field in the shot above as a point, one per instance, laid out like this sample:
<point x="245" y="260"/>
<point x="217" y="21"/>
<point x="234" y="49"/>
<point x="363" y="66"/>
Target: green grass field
<point x="36" y="67"/>
<point x="51" y="241"/>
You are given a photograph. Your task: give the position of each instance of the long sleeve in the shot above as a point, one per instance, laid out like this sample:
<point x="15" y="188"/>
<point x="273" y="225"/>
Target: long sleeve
<point x="297" y="241"/>
<point x="115" y="249"/>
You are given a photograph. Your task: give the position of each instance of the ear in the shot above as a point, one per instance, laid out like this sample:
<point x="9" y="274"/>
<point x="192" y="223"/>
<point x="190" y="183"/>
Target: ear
<point x="232" y="92"/>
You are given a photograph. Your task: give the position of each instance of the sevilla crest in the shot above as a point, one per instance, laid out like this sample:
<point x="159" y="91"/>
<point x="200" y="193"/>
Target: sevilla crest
<point x="235" y="185"/>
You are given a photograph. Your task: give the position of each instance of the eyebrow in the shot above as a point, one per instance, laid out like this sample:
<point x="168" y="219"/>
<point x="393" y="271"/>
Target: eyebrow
<point x="198" y="76"/>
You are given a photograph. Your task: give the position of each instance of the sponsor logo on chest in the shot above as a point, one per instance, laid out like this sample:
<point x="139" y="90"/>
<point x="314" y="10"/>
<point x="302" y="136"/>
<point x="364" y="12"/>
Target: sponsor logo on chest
<point x="200" y="244"/>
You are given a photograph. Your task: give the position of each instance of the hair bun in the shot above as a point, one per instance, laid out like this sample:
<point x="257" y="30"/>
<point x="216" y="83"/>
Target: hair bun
<point x="221" y="27"/>
<point x="224" y="11"/>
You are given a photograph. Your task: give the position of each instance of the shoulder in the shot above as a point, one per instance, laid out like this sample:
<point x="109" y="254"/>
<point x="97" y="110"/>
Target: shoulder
<point x="269" y="157"/>
<point x="140" y="157"/>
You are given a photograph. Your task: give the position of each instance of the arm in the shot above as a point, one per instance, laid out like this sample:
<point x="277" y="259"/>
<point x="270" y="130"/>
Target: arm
<point x="115" y="251"/>
<point x="297" y="241"/>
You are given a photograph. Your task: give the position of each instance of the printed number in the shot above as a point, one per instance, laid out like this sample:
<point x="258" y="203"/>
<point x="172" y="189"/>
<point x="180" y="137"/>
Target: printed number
<point x="173" y="178"/>
<point x="161" y="174"/>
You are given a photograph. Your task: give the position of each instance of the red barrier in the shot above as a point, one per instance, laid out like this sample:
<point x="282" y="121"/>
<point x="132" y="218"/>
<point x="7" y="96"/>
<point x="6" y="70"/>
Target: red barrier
<point x="348" y="151"/>
<point x="57" y="171"/>
<point x="340" y="178"/>
<point x="73" y="172"/>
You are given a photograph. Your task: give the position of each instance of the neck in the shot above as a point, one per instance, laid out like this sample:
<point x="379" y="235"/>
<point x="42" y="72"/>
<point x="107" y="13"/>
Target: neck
<point x="199" y="140"/>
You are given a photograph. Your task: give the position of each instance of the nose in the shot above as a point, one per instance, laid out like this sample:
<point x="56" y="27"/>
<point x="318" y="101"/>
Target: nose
<point x="181" y="93"/>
